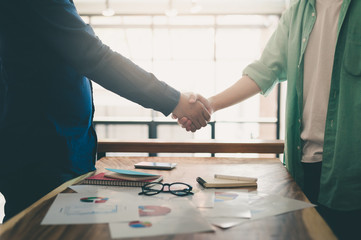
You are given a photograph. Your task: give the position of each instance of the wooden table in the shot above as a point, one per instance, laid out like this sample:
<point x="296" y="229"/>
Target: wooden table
<point x="272" y="178"/>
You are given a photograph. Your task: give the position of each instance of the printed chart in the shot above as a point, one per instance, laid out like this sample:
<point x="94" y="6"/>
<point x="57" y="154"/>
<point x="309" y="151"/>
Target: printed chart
<point x="161" y="217"/>
<point x="140" y="224"/>
<point x="101" y="207"/>
<point x="147" y="211"/>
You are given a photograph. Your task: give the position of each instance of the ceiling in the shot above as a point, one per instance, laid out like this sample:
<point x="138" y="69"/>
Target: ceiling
<point x="158" y="7"/>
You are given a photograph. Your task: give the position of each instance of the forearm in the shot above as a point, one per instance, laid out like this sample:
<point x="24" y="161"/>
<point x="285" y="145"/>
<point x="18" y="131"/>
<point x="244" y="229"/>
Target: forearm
<point x="128" y="80"/>
<point x="244" y="88"/>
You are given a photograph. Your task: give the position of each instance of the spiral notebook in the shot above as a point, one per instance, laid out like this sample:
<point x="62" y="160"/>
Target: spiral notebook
<point x="100" y="179"/>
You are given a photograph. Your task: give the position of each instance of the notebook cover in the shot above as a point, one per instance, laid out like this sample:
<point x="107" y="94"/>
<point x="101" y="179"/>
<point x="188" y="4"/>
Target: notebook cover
<point x="100" y="179"/>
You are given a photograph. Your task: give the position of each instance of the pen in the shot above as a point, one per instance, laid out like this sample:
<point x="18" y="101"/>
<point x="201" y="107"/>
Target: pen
<point x="201" y="181"/>
<point x="238" y="178"/>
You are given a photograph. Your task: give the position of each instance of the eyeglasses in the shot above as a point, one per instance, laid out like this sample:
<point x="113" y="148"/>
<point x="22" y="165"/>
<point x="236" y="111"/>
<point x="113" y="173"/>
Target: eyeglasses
<point x="178" y="188"/>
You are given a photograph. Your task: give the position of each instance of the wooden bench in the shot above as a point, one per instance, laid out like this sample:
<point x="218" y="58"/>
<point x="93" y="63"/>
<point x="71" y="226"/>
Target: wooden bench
<point x="194" y="146"/>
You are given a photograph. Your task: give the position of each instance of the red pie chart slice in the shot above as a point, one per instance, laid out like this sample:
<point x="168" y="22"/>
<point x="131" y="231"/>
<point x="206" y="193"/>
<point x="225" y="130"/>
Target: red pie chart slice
<point x="147" y="211"/>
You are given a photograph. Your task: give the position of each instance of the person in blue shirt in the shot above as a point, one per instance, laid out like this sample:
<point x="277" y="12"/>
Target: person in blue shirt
<point x="47" y="56"/>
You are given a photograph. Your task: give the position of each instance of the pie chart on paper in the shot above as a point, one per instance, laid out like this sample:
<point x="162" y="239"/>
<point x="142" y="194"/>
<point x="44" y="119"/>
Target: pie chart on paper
<point x="145" y="211"/>
<point x="140" y="224"/>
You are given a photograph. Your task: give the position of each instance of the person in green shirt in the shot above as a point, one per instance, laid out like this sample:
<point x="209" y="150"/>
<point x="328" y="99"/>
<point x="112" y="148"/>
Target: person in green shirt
<point x="317" y="49"/>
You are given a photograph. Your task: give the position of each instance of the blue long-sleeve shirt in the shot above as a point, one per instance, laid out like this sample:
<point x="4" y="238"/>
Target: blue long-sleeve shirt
<point x="47" y="54"/>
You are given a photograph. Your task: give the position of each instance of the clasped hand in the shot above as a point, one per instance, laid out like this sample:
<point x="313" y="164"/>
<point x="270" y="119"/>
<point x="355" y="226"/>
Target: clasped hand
<point x="193" y="111"/>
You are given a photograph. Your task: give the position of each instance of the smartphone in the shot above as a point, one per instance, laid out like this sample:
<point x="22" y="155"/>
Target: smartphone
<point x="155" y="165"/>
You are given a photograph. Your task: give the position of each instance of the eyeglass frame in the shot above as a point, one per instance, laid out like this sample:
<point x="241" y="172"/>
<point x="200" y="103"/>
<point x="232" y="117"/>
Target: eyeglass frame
<point x="186" y="192"/>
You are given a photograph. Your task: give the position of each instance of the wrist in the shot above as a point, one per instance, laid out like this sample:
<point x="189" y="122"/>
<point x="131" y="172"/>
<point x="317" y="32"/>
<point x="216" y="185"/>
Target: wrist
<point x="178" y="109"/>
<point x="212" y="104"/>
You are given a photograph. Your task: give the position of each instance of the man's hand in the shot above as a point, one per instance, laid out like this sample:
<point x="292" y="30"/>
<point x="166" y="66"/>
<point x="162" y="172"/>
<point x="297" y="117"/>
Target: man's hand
<point x="185" y="121"/>
<point x="193" y="112"/>
<point x="243" y="89"/>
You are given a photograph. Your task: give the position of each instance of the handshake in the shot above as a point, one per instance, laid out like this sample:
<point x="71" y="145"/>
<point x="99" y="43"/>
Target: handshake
<point x="193" y="111"/>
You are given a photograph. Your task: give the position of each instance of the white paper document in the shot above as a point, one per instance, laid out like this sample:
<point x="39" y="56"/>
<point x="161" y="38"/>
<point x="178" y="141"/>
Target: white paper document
<point x="229" y="203"/>
<point x="261" y="206"/>
<point x="85" y="208"/>
<point x="223" y="208"/>
<point x="161" y="217"/>
<point x="264" y="205"/>
<point x="200" y="198"/>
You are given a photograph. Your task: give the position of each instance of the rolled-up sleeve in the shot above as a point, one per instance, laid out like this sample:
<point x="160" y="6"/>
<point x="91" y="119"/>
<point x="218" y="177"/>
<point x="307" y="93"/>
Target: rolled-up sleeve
<point x="271" y="68"/>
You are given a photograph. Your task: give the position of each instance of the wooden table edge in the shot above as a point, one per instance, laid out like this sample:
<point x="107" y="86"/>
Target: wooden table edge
<point x="11" y="222"/>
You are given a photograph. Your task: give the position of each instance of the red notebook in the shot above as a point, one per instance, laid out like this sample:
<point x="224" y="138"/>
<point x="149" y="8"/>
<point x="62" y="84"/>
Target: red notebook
<point x="100" y="179"/>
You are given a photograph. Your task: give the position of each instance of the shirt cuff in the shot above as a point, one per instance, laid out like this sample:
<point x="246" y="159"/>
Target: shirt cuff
<point x="263" y="77"/>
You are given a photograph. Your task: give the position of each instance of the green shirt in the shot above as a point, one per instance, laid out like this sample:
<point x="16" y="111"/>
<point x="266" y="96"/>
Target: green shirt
<point x="282" y="60"/>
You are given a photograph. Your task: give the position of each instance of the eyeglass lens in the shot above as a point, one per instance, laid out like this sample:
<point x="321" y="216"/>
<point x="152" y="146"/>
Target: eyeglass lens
<point x="179" y="189"/>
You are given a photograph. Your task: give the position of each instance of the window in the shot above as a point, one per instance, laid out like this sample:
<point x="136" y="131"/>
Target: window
<point x="204" y="54"/>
